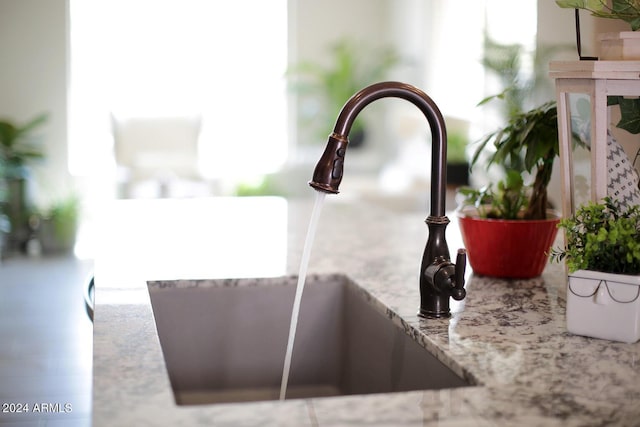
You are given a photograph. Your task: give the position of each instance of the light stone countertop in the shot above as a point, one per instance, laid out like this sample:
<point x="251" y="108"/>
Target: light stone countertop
<point x="507" y="337"/>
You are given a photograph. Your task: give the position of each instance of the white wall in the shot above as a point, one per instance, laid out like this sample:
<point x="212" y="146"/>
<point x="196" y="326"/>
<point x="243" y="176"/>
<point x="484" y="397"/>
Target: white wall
<point x="33" y="80"/>
<point x="319" y="23"/>
<point x="33" y="48"/>
<point x="314" y="27"/>
<point x="557" y="26"/>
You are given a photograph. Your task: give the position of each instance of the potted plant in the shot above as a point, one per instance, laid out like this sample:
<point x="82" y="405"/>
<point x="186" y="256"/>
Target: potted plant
<point x="17" y="149"/>
<point x="58" y="225"/>
<point x="509" y="229"/>
<point x="324" y="88"/>
<point x="602" y="254"/>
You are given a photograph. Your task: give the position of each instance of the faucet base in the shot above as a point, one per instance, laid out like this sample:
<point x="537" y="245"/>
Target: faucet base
<point x="430" y="315"/>
<point x="435" y="307"/>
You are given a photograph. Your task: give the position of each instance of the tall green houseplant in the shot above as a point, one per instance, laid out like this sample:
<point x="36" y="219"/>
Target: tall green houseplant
<point x="325" y="88"/>
<point x="528" y="142"/>
<point x="17" y="150"/>
<point x="511" y="222"/>
<point x="17" y="147"/>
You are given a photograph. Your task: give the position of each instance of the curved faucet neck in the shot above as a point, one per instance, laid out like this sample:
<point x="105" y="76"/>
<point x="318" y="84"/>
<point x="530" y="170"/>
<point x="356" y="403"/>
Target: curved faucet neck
<point x="433" y="115"/>
<point x="439" y="279"/>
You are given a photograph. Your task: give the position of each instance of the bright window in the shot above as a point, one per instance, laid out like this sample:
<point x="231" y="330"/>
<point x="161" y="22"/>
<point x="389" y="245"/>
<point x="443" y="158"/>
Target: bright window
<point x="223" y="60"/>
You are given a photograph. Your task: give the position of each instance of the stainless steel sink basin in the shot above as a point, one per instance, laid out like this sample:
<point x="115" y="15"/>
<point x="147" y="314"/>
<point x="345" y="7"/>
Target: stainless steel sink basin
<point x="225" y="341"/>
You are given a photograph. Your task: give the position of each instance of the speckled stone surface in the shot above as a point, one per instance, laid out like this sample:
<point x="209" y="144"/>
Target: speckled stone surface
<point x="508" y="338"/>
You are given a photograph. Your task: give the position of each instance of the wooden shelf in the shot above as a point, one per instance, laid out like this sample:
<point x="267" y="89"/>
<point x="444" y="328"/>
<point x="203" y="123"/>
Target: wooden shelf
<point x="620" y="70"/>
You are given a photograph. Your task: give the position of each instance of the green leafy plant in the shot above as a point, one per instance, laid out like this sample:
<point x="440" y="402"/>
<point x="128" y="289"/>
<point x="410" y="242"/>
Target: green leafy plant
<point x="64" y="212"/>
<point x="17" y="147"/>
<point x="528" y="143"/>
<point x="625" y="10"/>
<point x="504" y="61"/>
<point x="506" y="201"/>
<point x="602" y="237"/>
<point x="266" y="185"/>
<point x="325" y="88"/>
<point x="629" y="113"/>
<point x="59" y="224"/>
<point x="457" y="147"/>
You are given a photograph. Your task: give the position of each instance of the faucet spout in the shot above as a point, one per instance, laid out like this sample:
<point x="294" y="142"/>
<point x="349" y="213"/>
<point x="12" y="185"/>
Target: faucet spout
<point x="439" y="278"/>
<point x="328" y="172"/>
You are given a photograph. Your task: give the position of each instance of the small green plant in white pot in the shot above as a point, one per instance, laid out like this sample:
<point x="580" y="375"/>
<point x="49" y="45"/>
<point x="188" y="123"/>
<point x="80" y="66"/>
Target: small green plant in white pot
<point x="602" y="253"/>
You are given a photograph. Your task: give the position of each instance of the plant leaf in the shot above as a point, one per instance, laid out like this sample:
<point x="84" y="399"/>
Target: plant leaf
<point x="629" y="115"/>
<point x="590" y="5"/>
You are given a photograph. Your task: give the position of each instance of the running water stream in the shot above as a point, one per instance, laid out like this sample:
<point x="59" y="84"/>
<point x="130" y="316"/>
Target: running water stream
<point x="302" y="274"/>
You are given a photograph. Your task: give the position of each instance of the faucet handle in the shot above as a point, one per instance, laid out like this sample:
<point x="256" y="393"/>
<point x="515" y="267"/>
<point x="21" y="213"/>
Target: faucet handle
<point x="458" y="292"/>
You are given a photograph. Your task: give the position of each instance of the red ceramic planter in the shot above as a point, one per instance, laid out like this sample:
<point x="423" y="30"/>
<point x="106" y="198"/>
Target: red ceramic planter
<point x="514" y="249"/>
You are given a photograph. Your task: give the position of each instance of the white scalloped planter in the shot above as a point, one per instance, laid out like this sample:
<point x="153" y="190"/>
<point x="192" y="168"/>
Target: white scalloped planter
<point x="604" y="305"/>
<point x="623" y="45"/>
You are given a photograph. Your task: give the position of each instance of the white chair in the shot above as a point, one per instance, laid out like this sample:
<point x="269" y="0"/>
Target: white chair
<point x="156" y="152"/>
